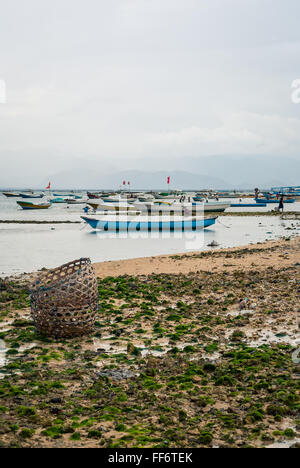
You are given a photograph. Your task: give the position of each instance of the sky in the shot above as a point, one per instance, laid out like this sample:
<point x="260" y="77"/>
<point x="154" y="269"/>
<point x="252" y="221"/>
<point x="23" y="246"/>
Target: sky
<point x="146" y="83"/>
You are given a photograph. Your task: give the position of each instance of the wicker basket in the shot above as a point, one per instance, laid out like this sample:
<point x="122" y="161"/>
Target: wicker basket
<point x="64" y="301"/>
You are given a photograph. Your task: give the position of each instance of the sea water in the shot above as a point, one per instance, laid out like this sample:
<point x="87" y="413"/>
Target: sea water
<point x="29" y="247"/>
<point x="26" y="248"/>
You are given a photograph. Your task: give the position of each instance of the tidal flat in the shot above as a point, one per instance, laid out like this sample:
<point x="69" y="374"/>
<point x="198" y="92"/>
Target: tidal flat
<point x="199" y="357"/>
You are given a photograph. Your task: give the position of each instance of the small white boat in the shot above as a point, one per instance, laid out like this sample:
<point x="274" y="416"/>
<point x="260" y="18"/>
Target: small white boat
<point x="118" y="199"/>
<point x="181" y="208"/>
<point x="111" y="206"/>
<point x="116" y="223"/>
<point x="77" y="201"/>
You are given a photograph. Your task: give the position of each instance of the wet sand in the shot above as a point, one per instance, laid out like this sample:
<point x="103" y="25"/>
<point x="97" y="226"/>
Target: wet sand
<point x="277" y="254"/>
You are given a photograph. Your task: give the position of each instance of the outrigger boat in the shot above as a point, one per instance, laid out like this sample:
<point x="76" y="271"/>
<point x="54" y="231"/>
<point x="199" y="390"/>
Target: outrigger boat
<point x="33" y="206"/>
<point x="77" y="201"/>
<point x="93" y="196"/>
<point x="110" y="207"/>
<point x="248" y="205"/>
<point x="31" y="195"/>
<point x="144" y="223"/>
<point x="265" y="200"/>
<point x="182" y="208"/>
<point x="57" y="200"/>
<point x="11" y="194"/>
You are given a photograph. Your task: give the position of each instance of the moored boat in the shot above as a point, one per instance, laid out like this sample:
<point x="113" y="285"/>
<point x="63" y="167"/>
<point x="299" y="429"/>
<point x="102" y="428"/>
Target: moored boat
<point x="143" y="223"/>
<point x="11" y="194"/>
<point x="32" y="195"/>
<point x="182" y="208"/>
<point x="110" y="206"/>
<point x="33" y="206"/>
<point x="265" y="200"/>
<point x="57" y="200"/>
<point x="76" y="201"/>
<point x="248" y="205"/>
<point x="93" y="196"/>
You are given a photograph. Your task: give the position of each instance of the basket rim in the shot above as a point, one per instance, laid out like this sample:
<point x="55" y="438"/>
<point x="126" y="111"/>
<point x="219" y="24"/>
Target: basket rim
<point x="83" y="261"/>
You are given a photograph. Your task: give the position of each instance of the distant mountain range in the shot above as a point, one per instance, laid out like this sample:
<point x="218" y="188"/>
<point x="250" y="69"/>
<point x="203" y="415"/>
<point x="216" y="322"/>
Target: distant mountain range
<point x="217" y="172"/>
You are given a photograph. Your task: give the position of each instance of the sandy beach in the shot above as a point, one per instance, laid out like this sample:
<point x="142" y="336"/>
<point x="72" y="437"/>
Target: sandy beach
<point x="191" y="350"/>
<point x="277" y="254"/>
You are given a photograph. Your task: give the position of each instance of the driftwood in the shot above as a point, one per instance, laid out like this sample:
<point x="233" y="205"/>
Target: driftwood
<point x="64" y="300"/>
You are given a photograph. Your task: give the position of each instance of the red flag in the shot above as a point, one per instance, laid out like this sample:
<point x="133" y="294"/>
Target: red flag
<point x="49" y="186"/>
<point x="128" y="183"/>
<point x="168" y="180"/>
<point x="124" y="182"/>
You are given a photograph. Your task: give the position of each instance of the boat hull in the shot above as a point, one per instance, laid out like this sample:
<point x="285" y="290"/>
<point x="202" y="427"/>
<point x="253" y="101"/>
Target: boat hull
<point x="11" y="195"/>
<point x="32" y="206"/>
<point x="110" y="207"/>
<point x="149" y="225"/>
<point x="28" y="195"/>
<point x="261" y="200"/>
<point x="248" y="205"/>
<point x="182" y="208"/>
<point x="93" y="196"/>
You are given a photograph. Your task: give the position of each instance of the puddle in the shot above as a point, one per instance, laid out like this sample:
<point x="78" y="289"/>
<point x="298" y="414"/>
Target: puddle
<point x="255" y="338"/>
<point x="5" y="326"/>
<point x="284" y="444"/>
<point x="116" y="374"/>
<point x="3" y="360"/>
<point x="27" y="347"/>
<point x="109" y="347"/>
<point x="160" y="348"/>
<point x="268" y="336"/>
<point x="3" y="352"/>
<point x="236" y="313"/>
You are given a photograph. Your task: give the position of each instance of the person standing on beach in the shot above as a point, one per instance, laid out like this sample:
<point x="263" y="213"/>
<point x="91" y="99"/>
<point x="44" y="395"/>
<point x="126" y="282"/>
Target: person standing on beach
<point x="280" y="207"/>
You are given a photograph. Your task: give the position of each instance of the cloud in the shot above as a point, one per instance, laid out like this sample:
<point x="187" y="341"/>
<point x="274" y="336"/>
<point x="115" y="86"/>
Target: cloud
<point x="241" y="133"/>
<point x="127" y="81"/>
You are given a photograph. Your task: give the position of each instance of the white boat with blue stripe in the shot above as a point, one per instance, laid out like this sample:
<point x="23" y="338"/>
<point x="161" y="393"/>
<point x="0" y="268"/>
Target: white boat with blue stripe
<point x="116" y="223"/>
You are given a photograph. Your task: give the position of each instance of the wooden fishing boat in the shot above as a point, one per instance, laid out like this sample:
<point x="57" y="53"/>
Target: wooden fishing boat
<point x="11" y="194"/>
<point x="33" y="206"/>
<point x="182" y="208"/>
<point x="264" y="200"/>
<point x="248" y="205"/>
<point x="111" y="207"/>
<point x="32" y="195"/>
<point x="144" y="223"/>
<point x="57" y="200"/>
<point x="77" y="201"/>
<point x="93" y="196"/>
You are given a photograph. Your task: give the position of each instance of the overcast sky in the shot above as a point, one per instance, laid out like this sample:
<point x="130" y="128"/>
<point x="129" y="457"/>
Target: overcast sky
<point x="120" y="80"/>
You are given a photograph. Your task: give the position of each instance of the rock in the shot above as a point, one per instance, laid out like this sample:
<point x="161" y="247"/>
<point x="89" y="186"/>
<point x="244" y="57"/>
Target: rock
<point x="213" y="244"/>
<point x="55" y="401"/>
<point x="55" y="410"/>
<point x="116" y="374"/>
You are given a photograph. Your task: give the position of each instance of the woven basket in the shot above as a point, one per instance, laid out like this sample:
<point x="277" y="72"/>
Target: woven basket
<point x="64" y="301"/>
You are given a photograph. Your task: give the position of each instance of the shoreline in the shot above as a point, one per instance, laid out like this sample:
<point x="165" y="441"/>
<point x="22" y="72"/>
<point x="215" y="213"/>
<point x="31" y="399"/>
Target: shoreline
<point x="292" y="214"/>
<point x="276" y="254"/>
